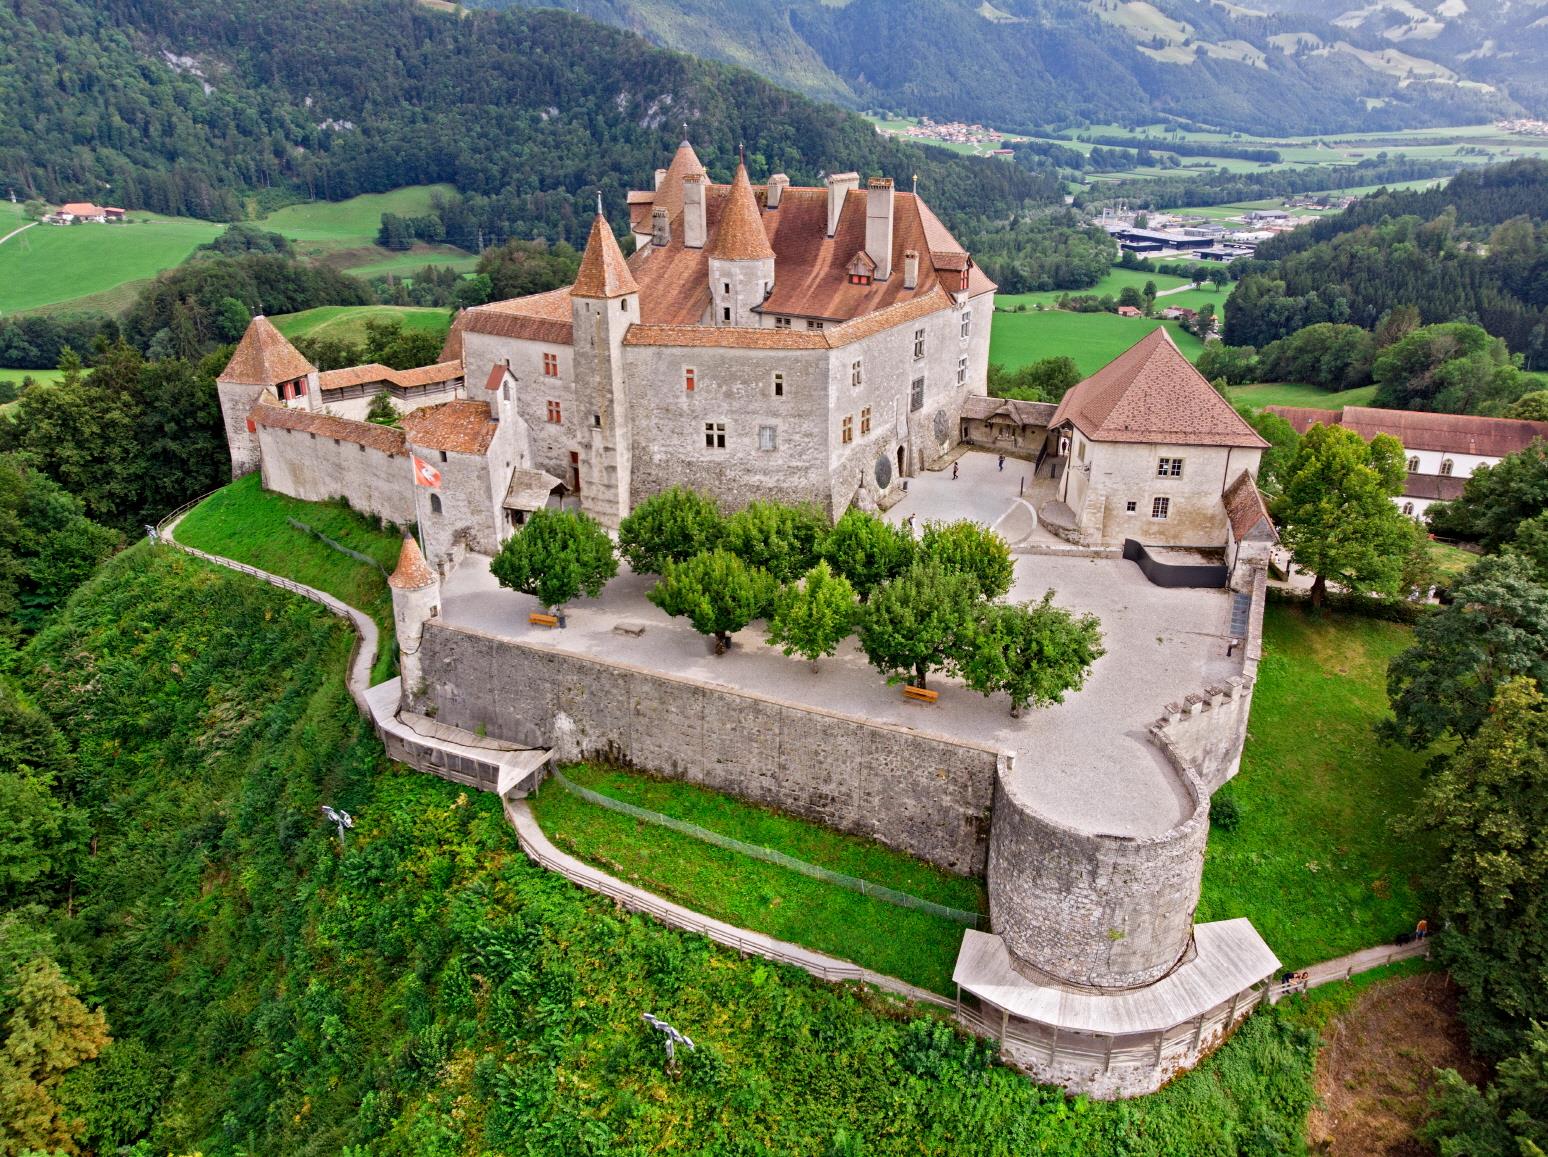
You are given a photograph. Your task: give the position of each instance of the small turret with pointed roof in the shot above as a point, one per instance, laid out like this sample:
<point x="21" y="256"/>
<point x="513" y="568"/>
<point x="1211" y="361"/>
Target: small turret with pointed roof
<point x="264" y="357"/>
<point x="416" y="599"/>
<point x="741" y="260"/>
<point x="740" y="235"/>
<point x="412" y="572"/>
<point x="603" y="271"/>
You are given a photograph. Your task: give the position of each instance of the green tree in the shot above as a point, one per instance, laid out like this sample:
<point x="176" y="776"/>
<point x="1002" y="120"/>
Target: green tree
<point x="390" y="344"/>
<point x="671" y="526"/>
<point x="382" y="411"/>
<point x="1488" y="810"/>
<point x="1219" y="278"/>
<point x="1045" y="380"/>
<point x="867" y="551"/>
<point x="779" y="538"/>
<point x="556" y="556"/>
<point x="917" y="622"/>
<point x="1149" y="295"/>
<point x="1531" y="407"/>
<point x="1497" y="499"/>
<point x="48" y="546"/>
<point x="715" y="591"/>
<point x="1237" y="364"/>
<point x="811" y="618"/>
<point x="967" y="548"/>
<point x="1131" y="297"/>
<point x="1282" y="444"/>
<point x="1531" y="544"/>
<point x="1509" y="1118"/>
<point x="48" y="1033"/>
<point x="1453" y="368"/>
<point x="1336" y="514"/>
<point x="1034" y="652"/>
<point x="1496" y="628"/>
<point x="231" y="318"/>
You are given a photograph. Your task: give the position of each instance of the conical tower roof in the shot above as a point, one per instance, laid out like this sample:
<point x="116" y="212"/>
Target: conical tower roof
<point x="264" y="358"/>
<point x="412" y="572"/>
<point x="603" y="270"/>
<point x="670" y="195"/>
<point x="740" y="235"/>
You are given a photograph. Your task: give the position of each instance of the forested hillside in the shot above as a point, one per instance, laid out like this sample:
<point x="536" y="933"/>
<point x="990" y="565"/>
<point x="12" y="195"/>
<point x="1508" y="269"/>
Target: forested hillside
<point x="1026" y="63"/>
<point x="196" y="106"/>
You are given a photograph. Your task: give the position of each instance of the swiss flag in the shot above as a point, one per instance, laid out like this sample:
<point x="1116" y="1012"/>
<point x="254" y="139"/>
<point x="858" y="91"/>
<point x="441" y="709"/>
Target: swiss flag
<point x="424" y="473"/>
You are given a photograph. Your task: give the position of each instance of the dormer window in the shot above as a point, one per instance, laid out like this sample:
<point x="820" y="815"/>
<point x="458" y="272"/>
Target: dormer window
<point x="861" y="268"/>
<point x="859" y="279"/>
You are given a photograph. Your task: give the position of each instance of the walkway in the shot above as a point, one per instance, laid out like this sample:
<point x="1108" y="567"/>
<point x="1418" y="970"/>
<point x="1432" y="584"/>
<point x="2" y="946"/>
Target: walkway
<point x="1344" y="967"/>
<point x="14" y="232"/>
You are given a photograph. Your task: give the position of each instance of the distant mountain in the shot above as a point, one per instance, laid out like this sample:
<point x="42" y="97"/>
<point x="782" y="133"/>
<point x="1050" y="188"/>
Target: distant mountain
<point x="1026" y="63"/>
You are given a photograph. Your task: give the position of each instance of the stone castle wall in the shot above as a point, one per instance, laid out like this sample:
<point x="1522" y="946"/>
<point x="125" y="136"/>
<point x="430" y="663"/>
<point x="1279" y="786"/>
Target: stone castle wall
<point x="317" y="468"/>
<point x="926" y="796"/>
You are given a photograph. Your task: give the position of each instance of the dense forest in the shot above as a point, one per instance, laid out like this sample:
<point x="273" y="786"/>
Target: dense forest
<point x="199" y="106"/>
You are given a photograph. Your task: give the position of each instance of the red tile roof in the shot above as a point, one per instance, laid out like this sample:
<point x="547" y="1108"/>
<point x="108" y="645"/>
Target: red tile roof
<point x="544" y="317"/>
<point x="412" y="572"/>
<point x="270" y="413"/>
<point x="1303" y="418"/>
<point x="264" y="358"/>
<point x="1247" y="511"/>
<point x="740" y="236"/>
<point x="354" y="376"/>
<point x="443" y="371"/>
<point x="1437" y="487"/>
<point x="1152" y="393"/>
<point x="458" y="427"/>
<point x="1421" y="430"/>
<point x="603" y="270"/>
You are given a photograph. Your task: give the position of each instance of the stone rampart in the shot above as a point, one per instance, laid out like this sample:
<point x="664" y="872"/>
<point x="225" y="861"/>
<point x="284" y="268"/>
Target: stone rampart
<point x="925" y="795"/>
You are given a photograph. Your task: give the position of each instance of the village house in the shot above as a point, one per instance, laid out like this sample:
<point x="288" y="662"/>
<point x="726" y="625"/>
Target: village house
<point x="74" y="211"/>
<point x="1441" y="450"/>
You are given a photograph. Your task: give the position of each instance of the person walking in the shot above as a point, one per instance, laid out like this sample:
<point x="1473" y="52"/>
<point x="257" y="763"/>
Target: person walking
<point x="1002" y="463"/>
<point x="955" y="467"/>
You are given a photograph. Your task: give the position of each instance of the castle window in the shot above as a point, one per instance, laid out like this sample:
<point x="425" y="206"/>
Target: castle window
<point x="623" y="305"/>
<point x="779" y="385"/>
<point x="1160" y="507"/>
<point x="813" y="323"/>
<point x="1408" y="509"/>
<point x="854" y="373"/>
<point x="689" y="376"/>
<point x="550" y="365"/>
<point x="859" y="279"/>
<point x="962" y="371"/>
<point x="916" y="395"/>
<point x="967" y="323"/>
<point x="781" y="323"/>
<point x="1131" y="507"/>
<point x="847" y="430"/>
<point x="865" y="420"/>
<point x="725" y="287"/>
<point x="555" y="414"/>
<point x="1446" y="466"/>
<point x="919" y="335"/>
<point x="435" y="504"/>
<point x="714" y="435"/>
<point x="596" y="420"/>
<point x="768" y="438"/>
<point x="1413" y="465"/>
<point x="725" y="313"/>
<point x="1169" y="467"/>
<point x="505" y="391"/>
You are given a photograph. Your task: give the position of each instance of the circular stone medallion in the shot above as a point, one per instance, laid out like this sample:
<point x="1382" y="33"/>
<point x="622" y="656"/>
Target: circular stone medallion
<point x="884" y="471"/>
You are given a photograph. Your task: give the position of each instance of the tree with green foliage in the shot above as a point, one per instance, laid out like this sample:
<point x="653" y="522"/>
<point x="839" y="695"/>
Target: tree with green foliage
<point x="811" y="618"/>
<point x="1531" y="407"/>
<point x="1034" y="652"/>
<point x="1045" y="380"/>
<point x="1282" y="444"/>
<point x="49" y="1032"/>
<point x="781" y="539"/>
<point x="1336" y="514"/>
<point x="1531" y="544"/>
<point x="918" y="622"/>
<point x="671" y="526"/>
<point x="556" y="556"/>
<point x="1508" y="1118"/>
<point x="867" y="550"/>
<point x="1488" y="810"/>
<point x="1497" y="499"/>
<point x="968" y="548"/>
<point x="1131" y="298"/>
<point x="1453" y="368"/>
<point x="1495" y="629"/>
<point x="382" y="412"/>
<point x="715" y="591"/>
<point x="1237" y="364"/>
<point x="48" y="546"/>
<point x="1219" y="278"/>
<point x="1328" y="356"/>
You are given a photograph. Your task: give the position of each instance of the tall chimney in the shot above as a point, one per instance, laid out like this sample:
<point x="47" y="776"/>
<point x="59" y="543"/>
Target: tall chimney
<point x="693" y="210"/>
<point x="777" y="185"/>
<point x="910" y="268"/>
<point x="839" y="185"/>
<point x="660" y="176"/>
<point x="660" y="227"/>
<point x="878" y="225"/>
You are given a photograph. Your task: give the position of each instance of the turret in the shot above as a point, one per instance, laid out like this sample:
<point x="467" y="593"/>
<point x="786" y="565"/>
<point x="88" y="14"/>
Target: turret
<point x="741" y="260"/>
<point x="263" y="362"/>
<point x="416" y="599"/>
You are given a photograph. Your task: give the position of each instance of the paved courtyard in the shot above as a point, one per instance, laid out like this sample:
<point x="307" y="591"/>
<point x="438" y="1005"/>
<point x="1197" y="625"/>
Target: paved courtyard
<point x="1003" y="500"/>
<point x="1085" y="763"/>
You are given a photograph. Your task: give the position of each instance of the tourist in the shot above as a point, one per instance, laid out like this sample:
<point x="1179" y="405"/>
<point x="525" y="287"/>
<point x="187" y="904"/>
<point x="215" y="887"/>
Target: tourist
<point x="954" y="468"/>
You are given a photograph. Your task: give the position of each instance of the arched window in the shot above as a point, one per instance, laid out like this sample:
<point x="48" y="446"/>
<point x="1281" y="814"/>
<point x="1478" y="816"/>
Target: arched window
<point x="1446" y="465"/>
<point x="1413" y="465"/>
<point x="435" y="504"/>
<point x="1408" y="509"/>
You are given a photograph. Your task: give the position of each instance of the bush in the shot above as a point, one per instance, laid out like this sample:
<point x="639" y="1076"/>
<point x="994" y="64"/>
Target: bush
<point x="1225" y="811"/>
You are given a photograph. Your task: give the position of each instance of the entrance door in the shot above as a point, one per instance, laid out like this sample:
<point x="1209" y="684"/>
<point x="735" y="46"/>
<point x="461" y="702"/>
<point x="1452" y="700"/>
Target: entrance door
<point x="575" y="471"/>
<point x="902" y="461"/>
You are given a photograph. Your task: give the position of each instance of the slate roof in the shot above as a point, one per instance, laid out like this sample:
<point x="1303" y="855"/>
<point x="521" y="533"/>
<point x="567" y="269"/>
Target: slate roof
<point x="264" y="358"/>
<point x="1152" y="393"/>
<point x="603" y="270"/>
<point x="270" y="413"/>
<point x="458" y="427"/>
<point x="1419" y="430"/>
<point x="412" y="572"/>
<point x="1247" y="512"/>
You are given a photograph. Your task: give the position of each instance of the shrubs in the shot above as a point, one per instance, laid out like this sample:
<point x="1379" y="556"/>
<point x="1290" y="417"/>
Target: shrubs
<point x="1225" y="811"/>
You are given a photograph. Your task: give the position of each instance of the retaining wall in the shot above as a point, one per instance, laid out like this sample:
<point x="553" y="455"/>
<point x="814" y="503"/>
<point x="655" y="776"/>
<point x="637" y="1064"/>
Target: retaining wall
<point x="927" y="796"/>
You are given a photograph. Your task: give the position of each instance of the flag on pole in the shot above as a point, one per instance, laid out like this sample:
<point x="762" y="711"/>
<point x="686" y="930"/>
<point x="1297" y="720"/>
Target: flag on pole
<point x="424" y="473"/>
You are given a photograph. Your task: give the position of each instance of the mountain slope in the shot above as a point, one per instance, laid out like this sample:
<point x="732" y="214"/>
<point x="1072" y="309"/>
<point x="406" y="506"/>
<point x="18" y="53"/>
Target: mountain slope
<point x="1023" y="63"/>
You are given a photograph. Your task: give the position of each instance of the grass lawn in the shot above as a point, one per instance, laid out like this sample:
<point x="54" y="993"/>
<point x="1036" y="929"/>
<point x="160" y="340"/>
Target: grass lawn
<point x="1295" y="394"/>
<point x="16" y="376"/>
<point x="1119" y="279"/>
<point x="382" y="261"/>
<point x="347" y="322"/>
<point x="1092" y="339"/>
<point x="341" y="224"/>
<point x="245" y="522"/>
<point x="901" y="942"/>
<point x="51" y="264"/>
<point x="1450" y="561"/>
<point x="1313" y="863"/>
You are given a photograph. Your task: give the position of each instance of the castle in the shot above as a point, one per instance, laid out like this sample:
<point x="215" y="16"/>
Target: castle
<point x="805" y="344"/>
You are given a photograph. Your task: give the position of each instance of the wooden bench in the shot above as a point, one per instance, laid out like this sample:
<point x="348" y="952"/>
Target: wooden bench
<point x="539" y="619"/>
<point x="920" y="694"/>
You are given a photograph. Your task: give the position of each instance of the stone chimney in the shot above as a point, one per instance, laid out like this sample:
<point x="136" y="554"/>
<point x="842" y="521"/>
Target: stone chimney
<point x="910" y="268"/>
<point x="660" y="176"/>
<point x="778" y="183"/>
<point x="878" y="225"/>
<point x="660" y="227"/>
<point x="839" y="185"/>
<point x="693" y="210"/>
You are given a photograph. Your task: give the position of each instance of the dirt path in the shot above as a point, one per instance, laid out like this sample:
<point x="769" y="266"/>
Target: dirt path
<point x="14" y="232"/>
<point x="1376" y="1071"/>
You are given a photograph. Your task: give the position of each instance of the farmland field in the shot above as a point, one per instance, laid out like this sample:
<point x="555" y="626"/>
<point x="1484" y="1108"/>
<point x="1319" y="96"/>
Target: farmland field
<point x="407" y="264"/>
<point x="347" y="322"/>
<point x="14" y="377"/>
<point x="1092" y="339"/>
<point x="1295" y="394"/>
<point x="1119" y="279"/>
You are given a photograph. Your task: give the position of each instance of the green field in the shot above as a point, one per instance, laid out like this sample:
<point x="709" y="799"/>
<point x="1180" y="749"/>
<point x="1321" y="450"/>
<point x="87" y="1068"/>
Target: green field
<point x="1314" y="863"/>
<point x="317" y="226"/>
<point x="1119" y="279"/>
<point x="1092" y="339"/>
<point x="1294" y="394"/>
<point x="16" y="376"/>
<point x="410" y="263"/>
<point x="245" y="522"/>
<point x="52" y="264"/>
<point x="347" y="322"/>
<point x="907" y="943"/>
